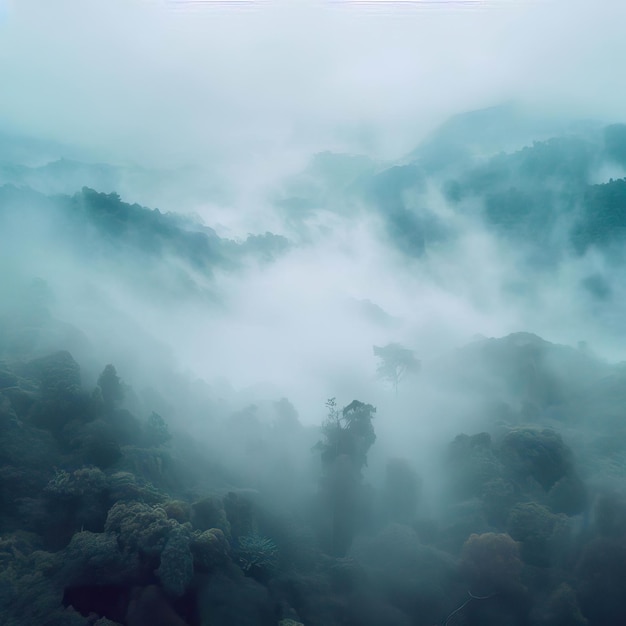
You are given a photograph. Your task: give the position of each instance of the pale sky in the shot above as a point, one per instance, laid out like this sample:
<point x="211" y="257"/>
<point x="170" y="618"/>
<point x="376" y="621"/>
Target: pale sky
<point x="253" y="90"/>
<point x="173" y="82"/>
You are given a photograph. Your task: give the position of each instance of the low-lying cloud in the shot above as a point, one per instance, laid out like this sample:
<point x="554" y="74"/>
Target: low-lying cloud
<point x="231" y="103"/>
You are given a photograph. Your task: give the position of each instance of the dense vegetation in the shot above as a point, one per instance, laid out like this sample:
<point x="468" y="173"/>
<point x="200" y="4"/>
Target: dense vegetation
<point x="110" y="517"/>
<point x="102" y="226"/>
<point x="114" y="511"/>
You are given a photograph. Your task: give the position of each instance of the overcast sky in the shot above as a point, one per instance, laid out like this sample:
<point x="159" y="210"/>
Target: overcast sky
<point x="174" y="82"/>
<point x="253" y="89"/>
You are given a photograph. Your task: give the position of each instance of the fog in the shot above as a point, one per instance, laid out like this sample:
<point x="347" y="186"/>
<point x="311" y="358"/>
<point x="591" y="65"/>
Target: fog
<point x="216" y="83"/>
<point x="215" y="110"/>
<point x="237" y="204"/>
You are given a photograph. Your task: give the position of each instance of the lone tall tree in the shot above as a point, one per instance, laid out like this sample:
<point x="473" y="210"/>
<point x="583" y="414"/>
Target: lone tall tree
<point x="396" y="362"/>
<point x="348" y="434"/>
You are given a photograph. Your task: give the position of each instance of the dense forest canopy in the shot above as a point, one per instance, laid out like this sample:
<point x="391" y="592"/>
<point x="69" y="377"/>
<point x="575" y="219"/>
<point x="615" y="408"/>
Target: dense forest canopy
<point x="312" y="315"/>
<point x="484" y="485"/>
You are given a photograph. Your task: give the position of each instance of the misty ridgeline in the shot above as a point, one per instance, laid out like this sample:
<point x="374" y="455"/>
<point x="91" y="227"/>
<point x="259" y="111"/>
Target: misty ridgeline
<point x="399" y="401"/>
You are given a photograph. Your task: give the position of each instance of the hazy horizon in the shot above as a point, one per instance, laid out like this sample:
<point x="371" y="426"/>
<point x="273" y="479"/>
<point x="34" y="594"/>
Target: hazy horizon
<point x="225" y="106"/>
<point x="312" y="312"/>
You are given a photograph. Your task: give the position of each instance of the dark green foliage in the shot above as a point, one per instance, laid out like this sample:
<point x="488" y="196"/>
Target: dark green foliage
<point x="370" y="611"/>
<point x="156" y="431"/>
<point x="535" y="195"/>
<point x="139" y="527"/>
<point x="515" y="212"/>
<point x="7" y="378"/>
<point x="557" y="161"/>
<point x="408" y="229"/>
<point x="414" y="578"/>
<point x="412" y="231"/>
<point x="90" y="480"/>
<point x="19" y="402"/>
<point x="102" y="228"/>
<point x="610" y="515"/>
<point x="154" y="233"/>
<point x="151" y="231"/>
<point x="493" y="176"/>
<point x="97" y="559"/>
<point x="473" y="464"/>
<point x="150" y="605"/>
<point x="119" y="426"/>
<point x="77" y="500"/>
<point x="562" y="158"/>
<point x="27" y="455"/>
<point x="603" y="222"/>
<point x="601" y="574"/>
<point x="27" y="593"/>
<point x="389" y="186"/>
<point x="178" y="510"/>
<point x="56" y="373"/>
<point x="498" y="496"/>
<point x="348" y="435"/>
<point x="562" y="609"/>
<point x="176" y="568"/>
<point x="357" y="418"/>
<point x="110" y="213"/>
<point x="228" y="598"/>
<point x="61" y="397"/>
<point x="255" y="552"/>
<point x="115" y="504"/>
<point x="77" y="484"/>
<point x="349" y="432"/>
<point x="240" y="513"/>
<point x="540" y="532"/>
<point x="491" y="563"/>
<point x="525" y="367"/>
<point x="209" y="513"/>
<point x="210" y="549"/>
<point x="458" y="521"/>
<point x="126" y="487"/>
<point x="538" y="454"/>
<point x="154" y="466"/>
<point x="615" y="142"/>
<point x="458" y="611"/>
<point x="478" y="493"/>
<point x="568" y="495"/>
<point x="125" y="427"/>
<point x="96" y="443"/>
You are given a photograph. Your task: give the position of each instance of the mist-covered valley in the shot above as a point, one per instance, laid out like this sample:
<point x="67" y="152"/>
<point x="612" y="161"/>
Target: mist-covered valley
<point x="303" y="333"/>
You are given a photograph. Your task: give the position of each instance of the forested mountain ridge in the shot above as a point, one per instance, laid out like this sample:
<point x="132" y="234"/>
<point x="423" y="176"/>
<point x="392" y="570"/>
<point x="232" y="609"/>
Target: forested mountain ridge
<point x="547" y="195"/>
<point x="110" y="514"/>
<point x="544" y="193"/>
<point x="312" y="313"/>
<point x="101" y="225"/>
<point x="485" y="486"/>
